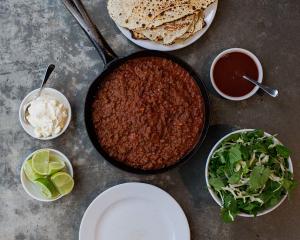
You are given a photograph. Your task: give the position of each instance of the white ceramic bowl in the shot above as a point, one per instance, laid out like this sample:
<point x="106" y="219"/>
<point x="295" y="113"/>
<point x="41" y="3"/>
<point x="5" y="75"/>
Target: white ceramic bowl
<point x="55" y="94"/>
<point x="253" y="57"/>
<point x="30" y="188"/>
<point x="215" y="196"/>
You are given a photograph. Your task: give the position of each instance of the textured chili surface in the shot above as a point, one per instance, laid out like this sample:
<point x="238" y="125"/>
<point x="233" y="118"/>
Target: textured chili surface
<point x="148" y="113"/>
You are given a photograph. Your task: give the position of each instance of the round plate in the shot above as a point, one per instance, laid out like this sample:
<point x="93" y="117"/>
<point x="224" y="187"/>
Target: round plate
<point x="134" y="211"/>
<point x="210" y="13"/>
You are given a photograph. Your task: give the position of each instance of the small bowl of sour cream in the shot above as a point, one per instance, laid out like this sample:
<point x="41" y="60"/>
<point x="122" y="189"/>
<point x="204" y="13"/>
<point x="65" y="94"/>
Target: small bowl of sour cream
<point x="48" y="116"/>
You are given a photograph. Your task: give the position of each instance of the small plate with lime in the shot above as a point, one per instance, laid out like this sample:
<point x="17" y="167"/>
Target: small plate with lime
<point x="47" y="175"/>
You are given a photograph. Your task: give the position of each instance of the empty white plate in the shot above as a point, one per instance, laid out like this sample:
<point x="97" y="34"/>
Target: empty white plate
<point x="134" y="211"/>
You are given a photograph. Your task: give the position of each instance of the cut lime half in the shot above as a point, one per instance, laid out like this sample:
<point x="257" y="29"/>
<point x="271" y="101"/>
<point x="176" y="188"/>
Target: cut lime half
<point x="46" y="187"/>
<point x="55" y="164"/>
<point x="30" y="174"/>
<point x="63" y="182"/>
<point x="40" y="162"/>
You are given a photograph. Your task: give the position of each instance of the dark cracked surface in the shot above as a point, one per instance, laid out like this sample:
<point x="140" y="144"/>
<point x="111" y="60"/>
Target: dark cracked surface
<point x="34" y="33"/>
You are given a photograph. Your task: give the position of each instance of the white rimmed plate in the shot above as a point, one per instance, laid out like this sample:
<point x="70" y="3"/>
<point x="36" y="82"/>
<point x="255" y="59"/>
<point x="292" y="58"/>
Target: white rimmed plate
<point x="134" y="211"/>
<point x="210" y="13"/>
<point x="30" y="96"/>
<point x="214" y="194"/>
<point x="30" y="188"/>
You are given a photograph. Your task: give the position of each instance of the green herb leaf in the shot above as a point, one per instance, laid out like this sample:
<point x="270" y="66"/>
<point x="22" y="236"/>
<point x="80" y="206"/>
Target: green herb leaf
<point x="283" y="151"/>
<point x="229" y="210"/>
<point x="272" y="195"/>
<point x="222" y="156"/>
<point x="259" y="177"/>
<point x="235" y="154"/>
<point x="289" y="185"/>
<point x="233" y="137"/>
<point x="229" y="202"/>
<point x="249" y="207"/>
<point x="216" y="183"/>
<point x="235" y="178"/>
<point x="258" y="133"/>
<point x="254" y="134"/>
<point x="259" y="147"/>
<point x="245" y="153"/>
<point x="269" y="141"/>
<point x="227" y="215"/>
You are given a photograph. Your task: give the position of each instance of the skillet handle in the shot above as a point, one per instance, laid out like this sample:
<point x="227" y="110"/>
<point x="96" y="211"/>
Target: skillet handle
<point x="78" y="11"/>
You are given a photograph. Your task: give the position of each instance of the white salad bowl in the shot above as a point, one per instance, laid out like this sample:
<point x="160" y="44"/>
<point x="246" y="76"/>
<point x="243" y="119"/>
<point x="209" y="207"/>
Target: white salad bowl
<point x="30" y="188"/>
<point x="47" y="91"/>
<point x="213" y="193"/>
<point x="258" y="65"/>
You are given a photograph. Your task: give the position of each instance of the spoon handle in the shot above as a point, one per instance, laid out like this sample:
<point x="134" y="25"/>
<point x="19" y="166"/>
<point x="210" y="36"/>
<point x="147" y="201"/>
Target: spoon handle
<point x="269" y="90"/>
<point x="47" y="75"/>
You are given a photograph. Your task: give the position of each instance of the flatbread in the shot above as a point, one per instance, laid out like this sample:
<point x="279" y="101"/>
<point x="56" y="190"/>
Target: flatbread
<point x="199" y="24"/>
<point x="190" y="31"/>
<point x="162" y="21"/>
<point x="137" y="35"/>
<point x="204" y="3"/>
<point x="144" y="14"/>
<point x="134" y="14"/>
<point x="168" y="32"/>
<point x="178" y="12"/>
<point x="121" y="10"/>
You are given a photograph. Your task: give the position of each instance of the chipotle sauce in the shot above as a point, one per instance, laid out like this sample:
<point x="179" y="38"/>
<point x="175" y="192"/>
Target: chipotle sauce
<point x="228" y="72"/>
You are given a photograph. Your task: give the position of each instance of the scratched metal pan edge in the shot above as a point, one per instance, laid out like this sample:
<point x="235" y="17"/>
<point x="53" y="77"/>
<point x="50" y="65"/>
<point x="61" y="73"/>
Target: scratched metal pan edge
<point x="112" y="61"/>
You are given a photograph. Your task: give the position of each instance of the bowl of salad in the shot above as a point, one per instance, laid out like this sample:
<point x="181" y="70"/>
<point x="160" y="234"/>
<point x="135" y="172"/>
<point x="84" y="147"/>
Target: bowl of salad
<point x="249" y="173"/>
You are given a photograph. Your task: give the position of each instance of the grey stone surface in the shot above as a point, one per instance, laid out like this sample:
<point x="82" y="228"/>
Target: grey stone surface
<point x="34" y="33"/>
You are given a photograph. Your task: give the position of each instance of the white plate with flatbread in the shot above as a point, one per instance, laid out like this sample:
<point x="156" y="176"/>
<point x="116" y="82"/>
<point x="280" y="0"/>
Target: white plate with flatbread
<point x="134" y="211"/>
<point x="207" y="19"/>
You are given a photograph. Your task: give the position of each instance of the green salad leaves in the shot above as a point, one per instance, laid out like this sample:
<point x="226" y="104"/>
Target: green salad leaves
<point x="249" y="172"/>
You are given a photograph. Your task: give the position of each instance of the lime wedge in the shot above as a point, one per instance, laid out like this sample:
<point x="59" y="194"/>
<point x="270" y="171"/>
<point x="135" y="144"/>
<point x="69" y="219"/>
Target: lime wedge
<point x="55" y="164"/>
<point x="40" y="162"/>
<point x="63" y="182"/>
<point x="30" y="174"/>
<point x="46" y="187"/>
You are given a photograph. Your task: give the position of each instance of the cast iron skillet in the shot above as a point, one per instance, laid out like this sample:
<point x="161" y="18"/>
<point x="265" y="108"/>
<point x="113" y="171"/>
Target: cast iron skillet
<point x="112" y="61"/>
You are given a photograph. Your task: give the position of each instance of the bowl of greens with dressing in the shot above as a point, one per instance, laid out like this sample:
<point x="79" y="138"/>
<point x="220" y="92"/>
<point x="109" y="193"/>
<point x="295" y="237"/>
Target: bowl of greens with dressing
<point x="249" y="173"/>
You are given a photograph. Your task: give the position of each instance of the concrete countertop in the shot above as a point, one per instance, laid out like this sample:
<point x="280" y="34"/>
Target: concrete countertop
<point x="35" y="33"/>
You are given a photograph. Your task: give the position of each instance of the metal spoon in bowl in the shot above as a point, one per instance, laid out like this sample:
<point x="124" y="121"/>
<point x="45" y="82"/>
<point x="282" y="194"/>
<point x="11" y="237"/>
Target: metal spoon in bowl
<point x="269" y="90"/>
<point x="47" y="75"/>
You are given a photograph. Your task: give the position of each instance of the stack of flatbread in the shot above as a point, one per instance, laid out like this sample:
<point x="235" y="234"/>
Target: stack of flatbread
<point x="163" y="21"/>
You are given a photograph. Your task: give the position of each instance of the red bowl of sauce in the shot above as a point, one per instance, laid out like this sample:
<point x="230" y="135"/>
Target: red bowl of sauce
<point x="227" y="70"/>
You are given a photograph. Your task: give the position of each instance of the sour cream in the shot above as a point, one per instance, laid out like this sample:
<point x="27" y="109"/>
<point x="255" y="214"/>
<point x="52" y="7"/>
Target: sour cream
<point x="47" y="116"/>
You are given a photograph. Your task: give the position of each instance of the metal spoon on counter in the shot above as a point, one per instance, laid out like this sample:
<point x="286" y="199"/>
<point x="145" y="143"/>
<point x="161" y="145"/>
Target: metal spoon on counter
<point x="269" y="90"/>
<point x="47" y="75"/>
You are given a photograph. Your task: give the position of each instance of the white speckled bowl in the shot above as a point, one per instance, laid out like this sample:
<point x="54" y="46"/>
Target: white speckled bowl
<point x="49" y="91"/>
<point x="30" y="188"/>
<point x="215" y="196"/>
